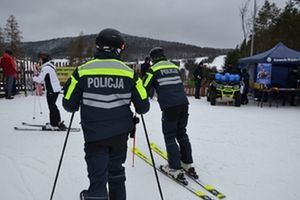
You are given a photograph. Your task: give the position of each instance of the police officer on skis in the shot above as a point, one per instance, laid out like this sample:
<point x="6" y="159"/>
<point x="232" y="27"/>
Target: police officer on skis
<point x="164" y="77"/>
<point x="104" y="88"/>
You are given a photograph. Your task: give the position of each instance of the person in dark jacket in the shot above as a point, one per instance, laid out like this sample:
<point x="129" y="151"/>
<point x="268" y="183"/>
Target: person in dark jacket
<point x="164" y="77"/>
<point x="49" y="77"/>
<point x="292" y="82"/>
<point x="246" y="82"/>
<point x="8" y="64"/>
<point x="145" y="67"/>
<point x="198" y="79"/>
<point x="104" y="88"/>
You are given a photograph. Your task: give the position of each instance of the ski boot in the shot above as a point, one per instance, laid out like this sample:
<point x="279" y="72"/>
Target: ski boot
<point x="176" y="174"/>
<point x="49" y="127"/>
<point x="83" y="195"/>
<point x="62" y="126"/>
<point x="190" y="170"/>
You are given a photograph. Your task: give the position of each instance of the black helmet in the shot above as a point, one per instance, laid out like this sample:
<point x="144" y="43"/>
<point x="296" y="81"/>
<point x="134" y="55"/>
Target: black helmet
<point x="110" y="40"/>
<point x="157" y="53"/>
<point x="44" y="56"/>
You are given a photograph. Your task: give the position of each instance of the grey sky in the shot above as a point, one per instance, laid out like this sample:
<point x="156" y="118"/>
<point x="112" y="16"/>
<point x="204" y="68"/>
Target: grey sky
<point x="205" y="23"/>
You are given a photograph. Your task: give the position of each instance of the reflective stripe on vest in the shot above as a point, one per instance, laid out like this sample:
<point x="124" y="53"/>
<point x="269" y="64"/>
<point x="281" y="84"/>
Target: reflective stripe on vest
<point x="105" y="105"/>
<point x="169" y="80"/>
<point x="71" y="88"/>
<point x="163" y="65"/>
<point x="141" y="90"/>
<point x="102" y="97"/>
<point x="148" y="79"/>
<point x="106" y="101"/>
<point x="111" y="67"/>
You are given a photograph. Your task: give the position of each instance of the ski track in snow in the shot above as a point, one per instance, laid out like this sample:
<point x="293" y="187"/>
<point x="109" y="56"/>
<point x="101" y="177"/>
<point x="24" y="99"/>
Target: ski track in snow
<point x="16" y="165"/>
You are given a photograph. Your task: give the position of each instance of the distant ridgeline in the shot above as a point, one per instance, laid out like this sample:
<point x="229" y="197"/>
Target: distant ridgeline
<point x="136" y="48"/>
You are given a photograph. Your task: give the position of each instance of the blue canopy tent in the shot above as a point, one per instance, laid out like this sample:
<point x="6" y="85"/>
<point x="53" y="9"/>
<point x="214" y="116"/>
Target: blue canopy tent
<point x="282" y="59"/>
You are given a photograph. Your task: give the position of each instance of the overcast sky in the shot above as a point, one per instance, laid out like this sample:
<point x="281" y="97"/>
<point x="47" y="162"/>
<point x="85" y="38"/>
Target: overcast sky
<point x="205" y="23"/>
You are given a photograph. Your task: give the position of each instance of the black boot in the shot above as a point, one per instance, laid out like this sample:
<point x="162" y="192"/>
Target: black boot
<point x="83" y="195"/>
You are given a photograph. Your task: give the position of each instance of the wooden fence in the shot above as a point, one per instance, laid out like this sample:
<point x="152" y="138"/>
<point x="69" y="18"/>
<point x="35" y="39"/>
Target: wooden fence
<point x="26" y="69"/>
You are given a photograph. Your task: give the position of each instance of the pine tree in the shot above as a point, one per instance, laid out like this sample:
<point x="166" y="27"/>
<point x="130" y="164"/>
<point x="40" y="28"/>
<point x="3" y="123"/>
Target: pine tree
<point x="288" y="26"/>
<point x="265" y="22"/>
<point x="13" y="36"/>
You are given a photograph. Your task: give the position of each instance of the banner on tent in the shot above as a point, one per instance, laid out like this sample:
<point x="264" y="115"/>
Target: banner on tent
<point x="264" y="71"/>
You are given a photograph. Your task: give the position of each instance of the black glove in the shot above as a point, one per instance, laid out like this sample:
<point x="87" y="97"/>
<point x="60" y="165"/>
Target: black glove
<point x="135" y="120"/>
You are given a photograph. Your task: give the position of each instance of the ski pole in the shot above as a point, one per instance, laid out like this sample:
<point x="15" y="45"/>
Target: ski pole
<point x="62" y="155"/>
<point x="34" y="104"/>
<point x="39" y="98"/>
<point x="136" y="120"/>
<point x="133" y="147"/>
<point x="152" y="159"/>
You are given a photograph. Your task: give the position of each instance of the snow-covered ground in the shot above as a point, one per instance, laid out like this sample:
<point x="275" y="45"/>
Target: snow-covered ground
<point x="248" y="153"/>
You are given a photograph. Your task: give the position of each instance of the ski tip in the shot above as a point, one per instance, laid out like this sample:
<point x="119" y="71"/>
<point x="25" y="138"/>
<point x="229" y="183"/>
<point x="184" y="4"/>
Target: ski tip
<point x="221" y="196"/>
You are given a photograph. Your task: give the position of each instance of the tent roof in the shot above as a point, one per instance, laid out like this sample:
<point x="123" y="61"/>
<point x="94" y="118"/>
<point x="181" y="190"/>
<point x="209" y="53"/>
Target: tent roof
<point x="279" y="54"/>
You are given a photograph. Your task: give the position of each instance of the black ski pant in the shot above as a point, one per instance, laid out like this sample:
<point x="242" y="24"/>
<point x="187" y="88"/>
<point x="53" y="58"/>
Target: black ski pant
<point x="174" y="122"/>
<point x="104" y="161"/>
<point x="197" y="89"/>
<point x="54" y="112"/>
<point x="9" y="85"/>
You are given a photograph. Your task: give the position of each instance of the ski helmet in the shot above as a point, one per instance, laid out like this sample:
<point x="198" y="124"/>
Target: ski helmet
<point x="110" y="40"/>
<point x="157" y="53"/>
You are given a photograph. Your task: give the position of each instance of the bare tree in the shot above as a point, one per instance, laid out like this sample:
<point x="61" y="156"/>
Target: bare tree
<point x="13" y="35"/>
<point x="245" y="20"/>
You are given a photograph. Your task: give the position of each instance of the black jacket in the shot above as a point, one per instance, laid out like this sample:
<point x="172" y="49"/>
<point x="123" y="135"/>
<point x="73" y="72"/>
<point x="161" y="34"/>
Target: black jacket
<point x="104" y="88"/>
<point x="164" y="76"/>
<point x="198" y="74"/>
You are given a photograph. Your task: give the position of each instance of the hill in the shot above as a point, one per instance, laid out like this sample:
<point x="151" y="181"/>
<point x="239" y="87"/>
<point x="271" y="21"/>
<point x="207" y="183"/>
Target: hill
<point x="136" y="47"/>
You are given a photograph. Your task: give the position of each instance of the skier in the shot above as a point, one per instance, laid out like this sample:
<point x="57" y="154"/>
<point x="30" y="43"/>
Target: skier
<point x="104" y="88"/>
<point x="51" y="82"/>
<point x="164" y="77"/>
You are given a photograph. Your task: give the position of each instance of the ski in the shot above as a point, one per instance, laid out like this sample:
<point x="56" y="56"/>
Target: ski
<point x="41" y="126"/>
<point x="40" y="129"/>
<point x="33" y="125"/>
<point x="207" y="187"/>
<point x="145" y="158"/>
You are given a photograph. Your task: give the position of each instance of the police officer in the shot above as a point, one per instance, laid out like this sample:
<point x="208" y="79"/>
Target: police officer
<point x="104" y="89"/>
<point x="165" y="78"/>
<point x="145" y="67"/>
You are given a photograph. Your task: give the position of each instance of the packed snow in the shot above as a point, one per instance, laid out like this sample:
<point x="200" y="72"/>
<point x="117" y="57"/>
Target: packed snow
<point x="247" y="152"/>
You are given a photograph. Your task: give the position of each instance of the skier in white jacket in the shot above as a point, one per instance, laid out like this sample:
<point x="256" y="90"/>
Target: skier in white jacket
<point x="53" y="88"/>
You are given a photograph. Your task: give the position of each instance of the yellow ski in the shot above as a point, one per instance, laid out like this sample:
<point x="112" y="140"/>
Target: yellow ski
<point x="145" y="158"/>
<point x="209" y="188"/>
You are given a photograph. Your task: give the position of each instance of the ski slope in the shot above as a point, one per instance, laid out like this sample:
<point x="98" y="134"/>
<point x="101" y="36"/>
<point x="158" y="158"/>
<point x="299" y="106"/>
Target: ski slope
<point x="248" y="153"/>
